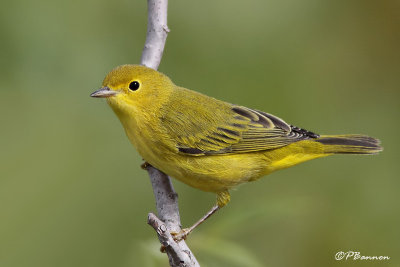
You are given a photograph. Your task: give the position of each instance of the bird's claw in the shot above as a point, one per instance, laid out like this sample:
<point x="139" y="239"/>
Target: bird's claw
<point x="182" y="235"/>
<point x="145" y="165"/>
<point x="177" y="236"/>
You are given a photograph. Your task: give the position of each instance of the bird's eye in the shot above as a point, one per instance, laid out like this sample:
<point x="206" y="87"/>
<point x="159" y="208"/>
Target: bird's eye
<point x="134" y="85"/>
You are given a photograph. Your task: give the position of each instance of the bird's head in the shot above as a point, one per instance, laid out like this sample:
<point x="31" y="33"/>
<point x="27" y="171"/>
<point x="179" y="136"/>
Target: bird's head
<point x="134" y="88"/>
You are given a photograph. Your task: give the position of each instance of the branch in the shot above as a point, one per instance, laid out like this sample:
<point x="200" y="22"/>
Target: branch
<point x="157" y="31"/>
<point x="179" y="253"/>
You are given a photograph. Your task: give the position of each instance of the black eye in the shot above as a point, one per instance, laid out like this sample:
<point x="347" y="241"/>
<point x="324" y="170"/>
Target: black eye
<point x="134" y="85"/>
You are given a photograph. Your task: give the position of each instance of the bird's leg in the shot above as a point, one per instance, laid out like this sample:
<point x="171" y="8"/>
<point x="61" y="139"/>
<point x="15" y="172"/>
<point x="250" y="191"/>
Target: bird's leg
<point x="222" y="199"/>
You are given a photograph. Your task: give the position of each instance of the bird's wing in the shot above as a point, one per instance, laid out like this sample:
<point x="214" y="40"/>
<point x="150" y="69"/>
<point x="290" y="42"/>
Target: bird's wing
<point x="216" y="127"/>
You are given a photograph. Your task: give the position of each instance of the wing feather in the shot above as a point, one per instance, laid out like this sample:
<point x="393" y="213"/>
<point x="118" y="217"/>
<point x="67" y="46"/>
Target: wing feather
<point x="216" y="127"/>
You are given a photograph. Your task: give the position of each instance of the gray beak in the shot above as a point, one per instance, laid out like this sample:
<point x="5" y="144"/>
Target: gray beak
<point x="104" y="92"/>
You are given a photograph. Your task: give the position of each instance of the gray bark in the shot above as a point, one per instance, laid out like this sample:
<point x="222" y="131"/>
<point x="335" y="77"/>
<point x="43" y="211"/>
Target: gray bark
<point x="168" y="219"/>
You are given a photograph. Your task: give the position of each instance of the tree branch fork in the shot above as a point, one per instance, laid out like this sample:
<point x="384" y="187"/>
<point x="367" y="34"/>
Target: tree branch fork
<point x="178" y="253"/>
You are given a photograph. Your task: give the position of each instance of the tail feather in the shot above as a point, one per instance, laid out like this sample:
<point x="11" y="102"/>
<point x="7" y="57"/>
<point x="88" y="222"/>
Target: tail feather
<point x="349" y="144"/>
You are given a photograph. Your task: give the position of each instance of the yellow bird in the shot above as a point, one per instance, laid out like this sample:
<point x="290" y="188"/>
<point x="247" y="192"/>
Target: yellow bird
<point x="207" y="143"/>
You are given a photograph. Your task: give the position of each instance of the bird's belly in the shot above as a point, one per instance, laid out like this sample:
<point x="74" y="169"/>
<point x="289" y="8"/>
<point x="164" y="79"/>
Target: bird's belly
<point x="211" y="173"/>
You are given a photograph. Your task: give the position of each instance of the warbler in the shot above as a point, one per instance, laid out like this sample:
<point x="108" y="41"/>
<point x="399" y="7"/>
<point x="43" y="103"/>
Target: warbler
<point x="207" y="143"/>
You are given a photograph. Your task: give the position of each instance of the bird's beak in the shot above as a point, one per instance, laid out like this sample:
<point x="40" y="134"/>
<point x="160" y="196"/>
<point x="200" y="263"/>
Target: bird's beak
<point x="104" y="92"/>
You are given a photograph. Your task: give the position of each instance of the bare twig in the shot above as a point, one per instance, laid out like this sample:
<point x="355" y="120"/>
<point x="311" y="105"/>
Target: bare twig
<point x="179" y="254"/>
<point x="157" y="31"/>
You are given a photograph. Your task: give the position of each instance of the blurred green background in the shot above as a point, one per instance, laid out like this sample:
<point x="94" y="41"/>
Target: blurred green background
<point x="71" y="189"/>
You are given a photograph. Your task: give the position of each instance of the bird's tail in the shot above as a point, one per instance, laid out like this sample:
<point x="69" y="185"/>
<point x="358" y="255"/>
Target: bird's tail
<point x="319" y="147"/>
<point x="349" y="144"/>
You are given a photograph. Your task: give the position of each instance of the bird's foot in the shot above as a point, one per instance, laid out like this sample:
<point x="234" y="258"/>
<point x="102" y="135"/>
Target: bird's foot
<point x="145" y="165"/>
<point x="177" y="236"/>
<point x="182" y="235"/>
